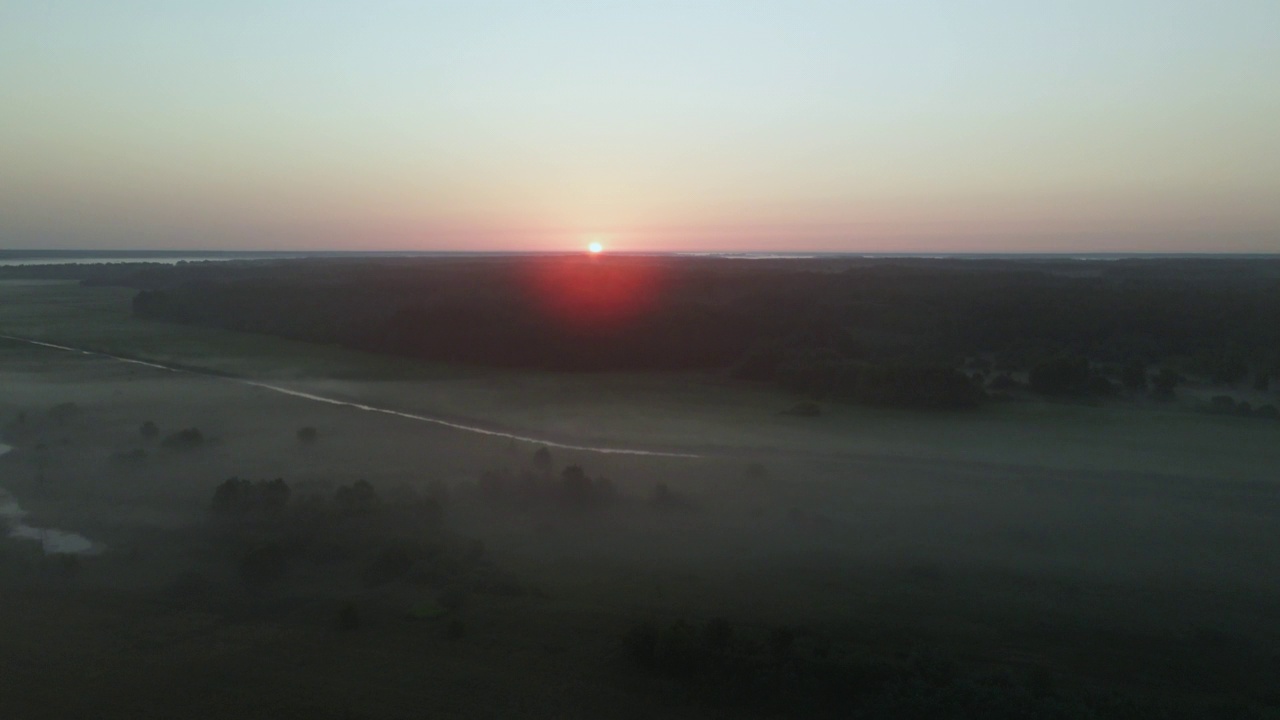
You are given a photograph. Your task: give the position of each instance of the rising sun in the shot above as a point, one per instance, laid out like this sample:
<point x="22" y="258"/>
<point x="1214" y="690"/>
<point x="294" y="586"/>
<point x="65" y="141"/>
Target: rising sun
<point x="595" y="248"/>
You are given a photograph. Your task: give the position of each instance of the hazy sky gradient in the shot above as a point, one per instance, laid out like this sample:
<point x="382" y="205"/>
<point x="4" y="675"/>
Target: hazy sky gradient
<point x="863" y="126"/>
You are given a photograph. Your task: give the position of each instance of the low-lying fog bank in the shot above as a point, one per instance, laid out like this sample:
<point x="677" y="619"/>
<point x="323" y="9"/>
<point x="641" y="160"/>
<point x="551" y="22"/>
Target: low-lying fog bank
<point x="52" y="541"/>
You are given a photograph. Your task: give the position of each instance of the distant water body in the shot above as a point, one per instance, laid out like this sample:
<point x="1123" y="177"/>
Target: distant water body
<point x="10" y="258"/>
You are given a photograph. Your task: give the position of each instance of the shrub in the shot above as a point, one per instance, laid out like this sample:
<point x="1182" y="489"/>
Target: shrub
<point x="236" y="497"/>
<point x="359" y="498"/>
<point x="575" y="485"/>
<point x="187" y="439"/>
<point x="542" y="461"/>
<point x="662" y="497"/>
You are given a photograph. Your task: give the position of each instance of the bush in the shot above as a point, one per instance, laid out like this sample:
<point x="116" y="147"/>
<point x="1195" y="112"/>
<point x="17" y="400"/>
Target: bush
<point x="236" y="497"/>
<point x="542" y="462"/>
<point x="188" y="439"/>
<point x="575" y="486"/>
<point x="662" y="497"/>
<point x="359" y="498"/>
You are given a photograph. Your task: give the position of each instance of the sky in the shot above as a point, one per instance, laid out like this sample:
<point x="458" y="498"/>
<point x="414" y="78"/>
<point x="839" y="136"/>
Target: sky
<point x="896" y="126"/>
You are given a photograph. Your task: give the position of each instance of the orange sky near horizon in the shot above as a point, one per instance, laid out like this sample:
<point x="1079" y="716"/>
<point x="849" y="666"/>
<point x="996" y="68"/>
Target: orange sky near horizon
<point x="1093" y="126"/>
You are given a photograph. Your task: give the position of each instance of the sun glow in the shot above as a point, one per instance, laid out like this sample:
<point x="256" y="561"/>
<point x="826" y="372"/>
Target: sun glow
<point x="595" y="248"/>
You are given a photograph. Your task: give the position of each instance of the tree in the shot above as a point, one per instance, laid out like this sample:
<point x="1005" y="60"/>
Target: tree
<point x="663" y="498"/>
<point x="575" y="485"/>
<point x="359" y="498"/>
<point x="183" y="440"/>
<point x="236" y="497"/>
<point x="149" y="430"/>
<point x="603" y="490"/>
<point x="272" y="496"/>
<point x="308" y="435"/>
<point x="233" y="497"/>
<point x="542" y="461"/>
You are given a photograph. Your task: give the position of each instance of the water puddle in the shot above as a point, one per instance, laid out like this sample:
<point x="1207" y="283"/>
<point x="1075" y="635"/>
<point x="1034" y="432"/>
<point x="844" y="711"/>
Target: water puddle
<point x="52" y="541"/>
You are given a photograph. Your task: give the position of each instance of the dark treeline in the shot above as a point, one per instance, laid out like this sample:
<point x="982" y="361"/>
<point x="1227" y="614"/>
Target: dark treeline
<point x="925" y="333"/>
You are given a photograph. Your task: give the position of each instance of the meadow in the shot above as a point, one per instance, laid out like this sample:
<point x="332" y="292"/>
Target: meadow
<point x="1092" y="548"/>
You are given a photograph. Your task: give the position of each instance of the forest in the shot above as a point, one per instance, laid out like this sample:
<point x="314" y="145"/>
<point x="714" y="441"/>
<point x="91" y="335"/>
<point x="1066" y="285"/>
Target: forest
<point x="924" y="333"/>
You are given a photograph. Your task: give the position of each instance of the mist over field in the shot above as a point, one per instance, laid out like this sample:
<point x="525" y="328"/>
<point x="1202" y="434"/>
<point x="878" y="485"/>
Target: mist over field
<point x="229" y="493"/>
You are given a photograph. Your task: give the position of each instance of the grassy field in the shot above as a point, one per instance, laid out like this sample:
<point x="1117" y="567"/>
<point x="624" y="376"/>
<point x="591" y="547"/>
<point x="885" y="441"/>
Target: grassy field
<point x="1115" y="546"/>
<point x="697" y="413"/>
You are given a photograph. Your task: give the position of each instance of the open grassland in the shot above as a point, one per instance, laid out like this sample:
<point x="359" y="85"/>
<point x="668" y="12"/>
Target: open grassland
<point x="690" y="412"/>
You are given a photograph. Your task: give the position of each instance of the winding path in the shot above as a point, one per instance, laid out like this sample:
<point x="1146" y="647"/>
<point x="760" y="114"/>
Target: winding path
<point x="360" y="406"/>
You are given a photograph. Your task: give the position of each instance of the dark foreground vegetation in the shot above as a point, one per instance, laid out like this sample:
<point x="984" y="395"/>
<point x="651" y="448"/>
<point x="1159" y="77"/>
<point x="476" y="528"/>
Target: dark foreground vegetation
<point x="908" y="333"/>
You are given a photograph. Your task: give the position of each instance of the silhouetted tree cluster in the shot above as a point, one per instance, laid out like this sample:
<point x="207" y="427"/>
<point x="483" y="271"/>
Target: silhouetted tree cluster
<point x="538" y="485"/>
<point x="358" y="498"/>
<point x="738" y="670"/>
<point x="828" y="375"/>
<point x="236" y="497"/>
<point x="187" y="439"/>
<point x="880" y="331"/>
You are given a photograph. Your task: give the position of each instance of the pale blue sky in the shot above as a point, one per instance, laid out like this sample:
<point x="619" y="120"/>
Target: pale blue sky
<point x="879" y="126"/>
